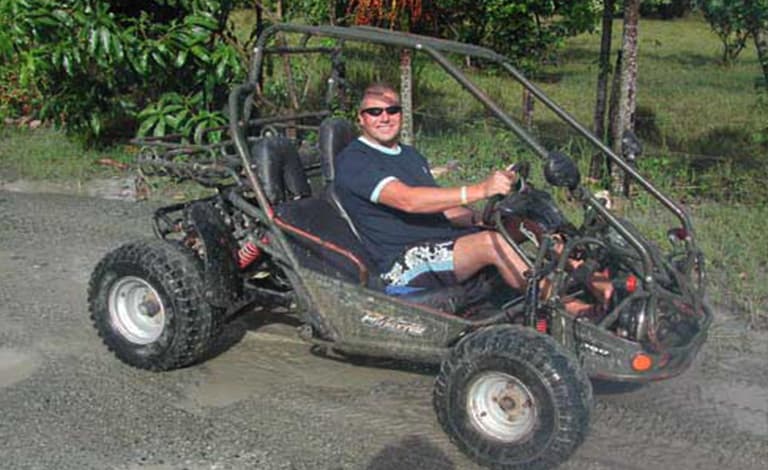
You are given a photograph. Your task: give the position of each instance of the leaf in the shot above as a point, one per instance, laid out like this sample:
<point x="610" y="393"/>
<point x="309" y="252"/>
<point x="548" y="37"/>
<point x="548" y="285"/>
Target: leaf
<point x="172" y="108"/>
<point x="61" y="15"/>
<point x="158" y="58"/>
<point x="95" y="123"/>
<point x="177" y="119"/>
<point x="143" y="63"/>
<point x="106" y="38"/>
<point x="46" y="19"/>
<point x="159" y="128"/>
<point x="146" y="125"/>
<point x="202" y="21"/>
<point x="93" y="41"/>
<point x="67" y="64"/>
<point x="150" y="110"/>
<point x="201" y="53"/>
<point x="221" y="67"/>
<point x="181" y="58"/>
<point x="117" y="49"/>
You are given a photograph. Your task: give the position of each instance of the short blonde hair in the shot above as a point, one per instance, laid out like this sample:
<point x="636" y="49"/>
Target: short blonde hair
<point x="378" y="90"/>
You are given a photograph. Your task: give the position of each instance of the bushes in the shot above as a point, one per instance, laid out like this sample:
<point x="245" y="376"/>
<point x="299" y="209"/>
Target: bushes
<point x="95" y="68"/>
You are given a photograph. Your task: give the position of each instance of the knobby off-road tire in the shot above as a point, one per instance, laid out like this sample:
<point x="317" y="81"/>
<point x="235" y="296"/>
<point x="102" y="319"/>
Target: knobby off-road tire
<point x="511" y="398"/>
<point x="146" y="303"/>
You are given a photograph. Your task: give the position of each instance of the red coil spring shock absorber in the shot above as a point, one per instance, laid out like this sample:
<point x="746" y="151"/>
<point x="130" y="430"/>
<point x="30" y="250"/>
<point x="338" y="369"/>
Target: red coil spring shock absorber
<point x="541" y="325"/>
<point x="248" y="254"/>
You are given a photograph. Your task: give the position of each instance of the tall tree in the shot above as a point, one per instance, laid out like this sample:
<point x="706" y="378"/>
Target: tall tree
<point x="527" y="31"/>
<point x="756" y="12"/>
<point x="627" y="92"/>
<point x="405" y="15"/>
<point x="761" y="44"/>
<point x="734" y="21"/>
<point x="728" y="19"/>
<point x="597" y="163"/>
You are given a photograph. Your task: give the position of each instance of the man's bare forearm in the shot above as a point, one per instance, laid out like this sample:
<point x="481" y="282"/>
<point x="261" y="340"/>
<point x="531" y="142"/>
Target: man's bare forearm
<point x="427" y="200"/>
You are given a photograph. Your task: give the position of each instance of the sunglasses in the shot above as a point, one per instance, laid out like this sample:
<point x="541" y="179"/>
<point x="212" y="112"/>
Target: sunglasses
<point x="376" y="111"/>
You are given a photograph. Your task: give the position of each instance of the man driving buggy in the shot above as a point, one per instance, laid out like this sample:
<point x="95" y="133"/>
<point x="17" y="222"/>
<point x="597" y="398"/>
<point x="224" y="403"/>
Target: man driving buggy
<point x="419" y="235"/>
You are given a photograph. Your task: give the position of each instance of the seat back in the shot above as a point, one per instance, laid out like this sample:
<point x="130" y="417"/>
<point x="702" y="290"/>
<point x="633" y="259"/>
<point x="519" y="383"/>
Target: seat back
<point x="318" y="217"/>
<point x="335" y="134"/>
<point x="276" y="163"/>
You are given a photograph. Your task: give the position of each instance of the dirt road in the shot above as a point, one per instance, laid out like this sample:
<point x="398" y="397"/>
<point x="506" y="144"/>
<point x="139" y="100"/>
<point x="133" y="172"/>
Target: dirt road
<point x="268" y="402"/>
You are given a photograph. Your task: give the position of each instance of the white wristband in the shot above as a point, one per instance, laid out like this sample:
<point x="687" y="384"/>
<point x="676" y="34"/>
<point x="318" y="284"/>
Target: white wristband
<point x="464" y="195"/>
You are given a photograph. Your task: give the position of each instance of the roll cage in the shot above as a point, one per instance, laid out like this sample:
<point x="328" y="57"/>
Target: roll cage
<point x="438" y="50"/>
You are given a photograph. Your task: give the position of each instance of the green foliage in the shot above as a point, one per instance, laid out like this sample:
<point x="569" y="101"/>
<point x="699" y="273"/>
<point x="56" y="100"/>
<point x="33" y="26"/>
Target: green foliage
<point x="180" y="115"/>
<point x="528" y="31"/>
<point x="730" y="20"/>
<point x="97" y="65"/>
<point x="315" y="11"/>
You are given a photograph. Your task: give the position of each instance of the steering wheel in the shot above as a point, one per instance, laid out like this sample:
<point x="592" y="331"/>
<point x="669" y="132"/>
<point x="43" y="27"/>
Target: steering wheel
<point x="490" y="208"/>
<point x="522" y="169"/>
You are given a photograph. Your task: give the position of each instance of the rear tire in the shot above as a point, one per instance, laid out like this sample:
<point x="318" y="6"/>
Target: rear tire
<point x="146" y="304"/>
<point x="512" y="398"/>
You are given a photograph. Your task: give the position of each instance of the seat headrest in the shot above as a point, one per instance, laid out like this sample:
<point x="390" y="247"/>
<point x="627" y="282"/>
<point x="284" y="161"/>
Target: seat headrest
<point x="335" y="134"/>
<point x="278" y="166"/>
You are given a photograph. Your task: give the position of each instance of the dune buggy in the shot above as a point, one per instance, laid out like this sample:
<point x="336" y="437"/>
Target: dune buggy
<point x="513" y="388"/>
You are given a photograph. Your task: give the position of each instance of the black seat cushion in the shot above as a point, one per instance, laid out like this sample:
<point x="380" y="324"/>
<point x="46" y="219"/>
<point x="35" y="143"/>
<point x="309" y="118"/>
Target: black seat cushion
<point x="319" y="218"/>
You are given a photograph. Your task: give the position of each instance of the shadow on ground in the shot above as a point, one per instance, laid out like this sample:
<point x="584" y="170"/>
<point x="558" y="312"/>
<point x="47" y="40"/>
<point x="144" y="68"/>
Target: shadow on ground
<point x="411" y="452"/>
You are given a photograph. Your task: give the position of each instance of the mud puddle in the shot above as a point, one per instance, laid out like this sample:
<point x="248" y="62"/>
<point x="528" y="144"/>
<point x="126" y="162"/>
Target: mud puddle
<point x="267" y="361"/>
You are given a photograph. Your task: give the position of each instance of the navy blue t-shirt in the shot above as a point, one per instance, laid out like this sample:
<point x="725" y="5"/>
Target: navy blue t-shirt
<point x="361" y="173"/>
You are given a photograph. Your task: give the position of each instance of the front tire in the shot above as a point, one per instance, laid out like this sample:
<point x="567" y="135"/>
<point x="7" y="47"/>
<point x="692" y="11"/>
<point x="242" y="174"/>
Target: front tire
<point x="146" y="304"/>
<point x="512" y="398"/>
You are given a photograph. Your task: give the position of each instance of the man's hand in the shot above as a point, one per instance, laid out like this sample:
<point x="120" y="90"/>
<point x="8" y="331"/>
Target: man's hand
<point x="499" y="182"/>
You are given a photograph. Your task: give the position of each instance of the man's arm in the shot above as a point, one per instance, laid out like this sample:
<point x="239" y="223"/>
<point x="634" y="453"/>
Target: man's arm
<point x="460" y="216"/>
<point x="427" y="200"/>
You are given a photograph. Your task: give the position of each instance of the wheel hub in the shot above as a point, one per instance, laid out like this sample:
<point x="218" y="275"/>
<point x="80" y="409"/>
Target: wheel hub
<point x="501" y="406"/>
<point x="136" y="310"/>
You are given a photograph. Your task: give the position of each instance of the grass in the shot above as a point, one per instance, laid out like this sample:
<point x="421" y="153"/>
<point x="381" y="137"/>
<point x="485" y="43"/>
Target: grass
<point x="732" y="240"/>
<point x="684" y="94"/>
<point x="45" y="153"/>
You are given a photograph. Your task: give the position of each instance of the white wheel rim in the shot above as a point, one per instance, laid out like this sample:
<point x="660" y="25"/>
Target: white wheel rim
<point x="136" y="310"/>
<point x="501" y="406"/>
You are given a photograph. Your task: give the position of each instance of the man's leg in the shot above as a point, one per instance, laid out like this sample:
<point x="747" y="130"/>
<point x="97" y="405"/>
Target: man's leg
<point x="471" y="253"/>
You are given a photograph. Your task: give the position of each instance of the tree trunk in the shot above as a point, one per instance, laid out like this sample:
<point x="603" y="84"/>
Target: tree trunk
<point x="332" y="12"/>
<point x="597" y="163"/>
<point x="757" y="27"/>
<point x="290" y="130"/>
<point x="528" y="105"/>
<point x="625" y="115"/>
<point x="613" y="108"/>
<point x="406" y="97"/>
<point x="761" y="44"/>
